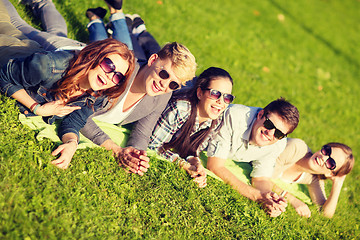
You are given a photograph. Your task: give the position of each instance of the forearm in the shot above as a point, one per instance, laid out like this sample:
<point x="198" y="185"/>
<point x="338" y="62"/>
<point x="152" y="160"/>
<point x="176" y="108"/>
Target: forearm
<point x="330" y="204"/>
<point x="93" y="132"/>
<point x="24" y="98"/>
<point x="110" y="145"/>
<point x="262" y="183"/>
<point x="241" y="187"/>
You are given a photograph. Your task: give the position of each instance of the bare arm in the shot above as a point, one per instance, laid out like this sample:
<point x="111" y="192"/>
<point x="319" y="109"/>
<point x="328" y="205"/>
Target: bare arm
<point x="216" y="165"/>
<point x="329" y="206"/>
<point x="271" y="202"/>
<point x="300" y="207"/>
<point x="264" y="184"/>
<point x="48" y="109"/>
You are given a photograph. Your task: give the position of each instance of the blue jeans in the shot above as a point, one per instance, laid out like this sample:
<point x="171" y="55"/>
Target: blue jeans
<point x="55" y="25"/>
<point x="118" y="26"/>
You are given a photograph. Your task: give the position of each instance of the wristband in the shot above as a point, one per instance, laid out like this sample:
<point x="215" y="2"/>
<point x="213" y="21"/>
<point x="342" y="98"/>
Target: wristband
<point x="32" y="106"/>
<point x="283" y="193"/>
<point x="35" y="108"/>
<point x="174" y="157"/>
<point x="72" y="140"/>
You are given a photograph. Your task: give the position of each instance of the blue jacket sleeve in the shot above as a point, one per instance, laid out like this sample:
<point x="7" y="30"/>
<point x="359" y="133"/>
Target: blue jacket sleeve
<point x="77" y="119"/>
<point x="43" y="68"/>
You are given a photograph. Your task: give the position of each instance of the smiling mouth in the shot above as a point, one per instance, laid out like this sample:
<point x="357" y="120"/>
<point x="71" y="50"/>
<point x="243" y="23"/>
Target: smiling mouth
<point x="155" y="88"/>
<point x="101" y="81"/>
<point x="216" y="109"/>
<point x="265" y="136"/>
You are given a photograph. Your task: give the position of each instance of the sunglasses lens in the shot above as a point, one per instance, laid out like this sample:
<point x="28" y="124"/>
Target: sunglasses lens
<point x="215" y="94"/>
<point x="278" y="134"/>
<point x="326" y="150"/>
<point x="164" y="74"/>
<point x="173" y="85"/>
<point x="330" y="163"/>
<point x="118" y="78"/>
<point x="107" y="65"/>
<point x="268" y="124"/>
<point x="228" y="98"/>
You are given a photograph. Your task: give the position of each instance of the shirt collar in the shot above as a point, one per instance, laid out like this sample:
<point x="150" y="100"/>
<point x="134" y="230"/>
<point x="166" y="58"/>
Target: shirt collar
<point x="247" y="133"/>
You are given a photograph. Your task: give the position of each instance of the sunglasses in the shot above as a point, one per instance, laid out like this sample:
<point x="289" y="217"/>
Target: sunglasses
<point x="108" y="67"/>
<point x="268" y="124"/>
<point x="163" y="74"/>
<point x="215" y="95"/>
<point x="330" y="162"/>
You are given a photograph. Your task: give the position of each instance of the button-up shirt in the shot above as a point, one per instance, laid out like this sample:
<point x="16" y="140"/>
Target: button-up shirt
<point x="232" y="141"/>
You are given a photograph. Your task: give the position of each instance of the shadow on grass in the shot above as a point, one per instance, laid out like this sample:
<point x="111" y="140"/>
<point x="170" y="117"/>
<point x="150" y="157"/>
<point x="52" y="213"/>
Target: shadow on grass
<point x="316" y="36"/>
<point x="79" y="29"/>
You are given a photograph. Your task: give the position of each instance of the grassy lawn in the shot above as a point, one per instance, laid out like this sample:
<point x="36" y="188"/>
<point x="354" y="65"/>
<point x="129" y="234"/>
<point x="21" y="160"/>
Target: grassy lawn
<point x="306" y="51"/>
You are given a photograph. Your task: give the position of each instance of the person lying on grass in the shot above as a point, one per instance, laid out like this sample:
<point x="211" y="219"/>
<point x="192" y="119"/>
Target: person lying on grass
<point x="64" y="85"/>
<point x="257" y="136"/>
<point x="297" y="164"/>
<point x="146" y="94"/>
<point x="190" y="119"/>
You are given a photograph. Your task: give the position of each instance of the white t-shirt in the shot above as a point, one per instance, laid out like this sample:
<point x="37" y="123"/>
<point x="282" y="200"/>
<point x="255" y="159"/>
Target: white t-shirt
<point x="116" y="114"/>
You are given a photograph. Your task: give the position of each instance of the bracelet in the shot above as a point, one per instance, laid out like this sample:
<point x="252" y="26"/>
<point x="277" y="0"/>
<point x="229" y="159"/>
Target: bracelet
<point x="188" y="157"/>
<point x="283" y="193"/>
<point x="35" y="108"/>
<point x="32" y="106"/>
<point x="73" y="140"/>
<point x="174" y="157"/>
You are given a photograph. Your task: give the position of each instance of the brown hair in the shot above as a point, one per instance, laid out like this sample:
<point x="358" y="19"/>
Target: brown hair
<point x="349" y="161"/>
<point x="89" y="58"/>
<point x="288" y="112"/>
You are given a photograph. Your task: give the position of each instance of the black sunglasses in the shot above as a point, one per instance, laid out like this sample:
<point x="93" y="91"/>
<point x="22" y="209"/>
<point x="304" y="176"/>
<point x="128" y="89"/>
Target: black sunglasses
<point x="163" y="74"/>
<point x="108" y="67"/>
<point x="330" y="162"/>
<point x="268" y="124"/>
<point x="215" y="95"/>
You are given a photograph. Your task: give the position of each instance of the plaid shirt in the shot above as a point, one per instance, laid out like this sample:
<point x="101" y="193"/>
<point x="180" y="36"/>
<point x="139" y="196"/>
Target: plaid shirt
<point x="172" y="119"/>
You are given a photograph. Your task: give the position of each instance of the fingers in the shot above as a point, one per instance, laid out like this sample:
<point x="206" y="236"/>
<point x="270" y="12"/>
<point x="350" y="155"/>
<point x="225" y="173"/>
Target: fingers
<point x="303" y="210"/>
<point x="58" y="150"/>
<point x="134" y="160"/>
<point x="63" y="111"/>
<point x="201" y="181"/>
<point x="60" y="163"/>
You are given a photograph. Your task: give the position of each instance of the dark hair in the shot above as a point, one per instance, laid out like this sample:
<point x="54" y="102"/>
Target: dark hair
<point x="89" y="58"/>
<point x="184" y="144"/>
<point x="288" y="112"/>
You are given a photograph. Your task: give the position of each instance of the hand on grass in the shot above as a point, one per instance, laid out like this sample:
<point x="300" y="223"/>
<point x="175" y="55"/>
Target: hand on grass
<point x="57" y="108"/>
<point x="197" y="171"/>
<point x="273" y="204"/>
<point x="301" y="208"/>
<point x="66" y="151"/>
<point x="133" y="160"/>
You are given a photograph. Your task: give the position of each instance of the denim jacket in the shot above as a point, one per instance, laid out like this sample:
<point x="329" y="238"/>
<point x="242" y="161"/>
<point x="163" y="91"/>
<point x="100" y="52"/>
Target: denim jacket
<point x="39" y="73"/>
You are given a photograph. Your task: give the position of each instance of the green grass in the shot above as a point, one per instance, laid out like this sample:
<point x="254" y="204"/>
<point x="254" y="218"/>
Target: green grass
<point x="312" y="59"/>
